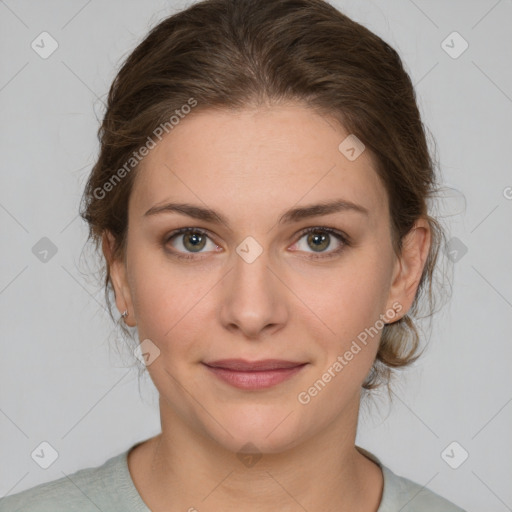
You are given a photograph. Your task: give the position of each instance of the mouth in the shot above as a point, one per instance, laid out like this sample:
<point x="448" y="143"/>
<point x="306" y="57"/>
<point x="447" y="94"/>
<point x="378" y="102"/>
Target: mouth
<point x="252" y="375"/>
<point x="241" y="365"/>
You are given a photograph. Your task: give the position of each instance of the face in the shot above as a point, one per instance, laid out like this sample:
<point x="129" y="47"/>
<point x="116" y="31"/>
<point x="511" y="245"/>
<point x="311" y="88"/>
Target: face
<point x="253" y="281"/>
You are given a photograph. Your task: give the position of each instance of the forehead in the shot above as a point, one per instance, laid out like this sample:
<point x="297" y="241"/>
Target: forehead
<point x="252" y="158"/>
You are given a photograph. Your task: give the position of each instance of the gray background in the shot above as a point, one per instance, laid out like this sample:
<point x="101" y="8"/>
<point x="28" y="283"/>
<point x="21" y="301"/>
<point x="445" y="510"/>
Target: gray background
<point x="62" y="380"/>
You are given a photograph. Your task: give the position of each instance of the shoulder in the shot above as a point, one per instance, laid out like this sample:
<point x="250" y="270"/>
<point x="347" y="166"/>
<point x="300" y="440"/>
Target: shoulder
<point x="89" y="489"/>
<point x="400" y="493"/>
<point x="403" y="494"/>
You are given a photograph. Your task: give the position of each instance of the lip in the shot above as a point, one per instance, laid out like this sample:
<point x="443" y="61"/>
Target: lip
<point x="241" y="365"/>
<point x="254" y="374"/>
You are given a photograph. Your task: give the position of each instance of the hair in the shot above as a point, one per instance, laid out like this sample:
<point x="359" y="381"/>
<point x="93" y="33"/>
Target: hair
<point x="239" y="54"/>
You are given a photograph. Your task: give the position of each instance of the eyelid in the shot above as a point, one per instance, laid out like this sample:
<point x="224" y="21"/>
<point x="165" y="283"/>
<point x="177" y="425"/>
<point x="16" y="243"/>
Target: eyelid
<point x="190" y="229"/>
<point x="336" y="232"/>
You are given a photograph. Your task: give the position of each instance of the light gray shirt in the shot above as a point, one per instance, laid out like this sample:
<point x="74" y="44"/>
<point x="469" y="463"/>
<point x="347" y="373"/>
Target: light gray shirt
<point x="110" y="488"/>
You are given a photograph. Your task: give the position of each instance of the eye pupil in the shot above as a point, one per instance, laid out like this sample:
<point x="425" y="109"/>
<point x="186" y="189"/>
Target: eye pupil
<point x="317" y="237"/>
<point x="198" y="241"/>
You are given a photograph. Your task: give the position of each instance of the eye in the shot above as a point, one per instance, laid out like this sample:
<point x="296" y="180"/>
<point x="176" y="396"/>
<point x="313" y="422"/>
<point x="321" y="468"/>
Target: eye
<point x="320" y="239"/>
<point x="187" y="241"/>
<point x="191" y="240"/>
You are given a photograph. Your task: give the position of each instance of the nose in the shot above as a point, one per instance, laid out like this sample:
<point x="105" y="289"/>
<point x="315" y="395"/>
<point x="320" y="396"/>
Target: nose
<point x="254" y="298"/>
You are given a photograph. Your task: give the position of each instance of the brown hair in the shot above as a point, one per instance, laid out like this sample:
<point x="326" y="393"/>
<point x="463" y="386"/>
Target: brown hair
<point x="232" y="54"/>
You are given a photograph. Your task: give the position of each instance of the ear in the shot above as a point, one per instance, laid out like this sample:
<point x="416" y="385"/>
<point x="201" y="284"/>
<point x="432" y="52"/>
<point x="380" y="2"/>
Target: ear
<point x="409" y="268"/>
<point x="119" y="279"/>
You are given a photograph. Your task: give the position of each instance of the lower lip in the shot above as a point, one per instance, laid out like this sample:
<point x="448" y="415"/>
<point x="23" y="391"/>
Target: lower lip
<point x="255" y="379"/>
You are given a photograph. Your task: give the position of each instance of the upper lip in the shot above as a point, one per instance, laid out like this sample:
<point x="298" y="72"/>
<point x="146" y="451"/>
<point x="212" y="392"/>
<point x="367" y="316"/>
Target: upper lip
<point x="243" y="365"/>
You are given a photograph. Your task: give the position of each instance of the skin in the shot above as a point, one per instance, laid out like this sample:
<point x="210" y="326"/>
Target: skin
<point x="252" y="166"/>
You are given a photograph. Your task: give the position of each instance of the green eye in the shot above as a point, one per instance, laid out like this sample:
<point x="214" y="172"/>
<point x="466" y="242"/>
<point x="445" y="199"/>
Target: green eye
<point x="192" y="240"/>
<point x="320" y="238"/>
<point x="187" y="241"/>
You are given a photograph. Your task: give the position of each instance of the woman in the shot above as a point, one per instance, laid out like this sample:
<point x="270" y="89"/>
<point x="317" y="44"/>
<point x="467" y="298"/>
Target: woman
<point x="260" y="199"/>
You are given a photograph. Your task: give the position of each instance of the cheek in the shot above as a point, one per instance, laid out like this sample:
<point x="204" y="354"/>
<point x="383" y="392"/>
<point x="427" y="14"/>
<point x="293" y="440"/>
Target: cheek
<point x="169" y="303"/>
<point x="172" y="311"/>
<point x="350" y="302"/>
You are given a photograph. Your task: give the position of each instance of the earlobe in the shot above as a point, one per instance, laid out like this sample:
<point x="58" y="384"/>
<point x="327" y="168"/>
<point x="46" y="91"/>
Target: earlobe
<point x="409" y="266"/>
<point x="119" y="282"/>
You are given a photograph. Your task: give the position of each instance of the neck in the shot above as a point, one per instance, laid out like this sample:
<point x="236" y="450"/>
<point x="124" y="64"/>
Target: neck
<point x="184" y="469"/>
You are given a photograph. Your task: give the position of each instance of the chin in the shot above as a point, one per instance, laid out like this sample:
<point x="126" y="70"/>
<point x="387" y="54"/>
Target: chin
<point x="257" y="429"/>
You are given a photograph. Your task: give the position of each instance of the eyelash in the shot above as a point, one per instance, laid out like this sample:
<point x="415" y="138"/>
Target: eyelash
<point x="344" y="239"/>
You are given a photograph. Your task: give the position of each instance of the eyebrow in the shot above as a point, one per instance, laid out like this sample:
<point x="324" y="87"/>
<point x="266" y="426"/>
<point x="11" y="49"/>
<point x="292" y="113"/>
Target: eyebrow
<point x="292" y="215"/>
